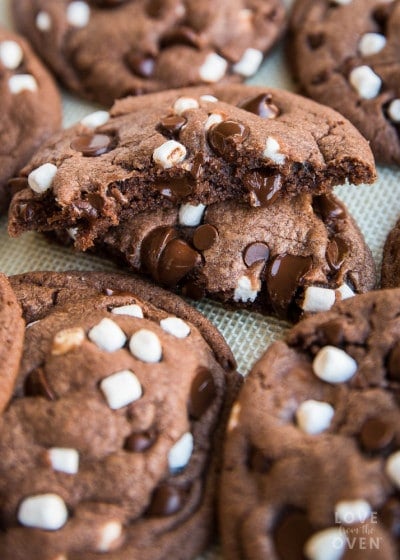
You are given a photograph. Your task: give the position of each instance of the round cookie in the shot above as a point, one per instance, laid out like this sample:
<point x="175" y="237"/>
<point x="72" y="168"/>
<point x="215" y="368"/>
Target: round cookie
<point x="312" y="463"/>
<point x="106" y="49"/>
<point x="345" y="54"/>
<point x="390" y="273"/>
<point x="197" y="145"/>
<point x="30" y="107"/>
<point x="108" y="448"/>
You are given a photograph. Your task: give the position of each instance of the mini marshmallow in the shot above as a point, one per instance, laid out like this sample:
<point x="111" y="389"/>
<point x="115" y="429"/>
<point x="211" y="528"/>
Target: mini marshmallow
<point x="180" y="453"/>
<point x="365" y="82"/>
<point x="329" y="544"/>
<point x="107" y="335"/>
<point x="109" y="536"/>
<point x="394" y="110"/>
<point x="41" y="178"/>
<point x="271" y="151"/>
<point x="342" y="2"/>
<point x="78" y="14"/>
<point x="121" y="388"/>
<point x="314" y="417"/>
<point x="43" y="21"/>
<point x="191" y="215"/>
<point x="244" y="290"/>
<point x="213" y="68"/>
<point x="249" y="63"/>
<point x="66" y="340"/>
<point x="146" y="346"/>
<point x="175" y="326"/>
<point x="133" y="310"/>
<point x="333" y="365"/>
<point x="184" y="103"/>
<point x="64" y="459"/>
<point x="318" y="299"/>
<point x="44" y="511"/>
<point x="392" y="468"/>
<point x="209" y="98"/>
<point x="11" y="54"/>
<point x="98" y="118"/>
<point x="22" y="82"/>
<point x="169" y="154"/>
<point x="371" y="43"/>
<point x="345" y="291"/>
<point x="214" y="118"/>
<point x="233" y="421"/>
<point x="352" y="511"/>
<point x="73" y="232"/>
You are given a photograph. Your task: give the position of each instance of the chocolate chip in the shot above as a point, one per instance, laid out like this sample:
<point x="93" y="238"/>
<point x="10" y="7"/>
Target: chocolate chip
<point x="194" y="290"/>
<point x="263" y="188"/>
<point x="257" y="461"/>
<point x="261" y="105"/>
<point x="177" y="260"/>
<point x="331" y="333"/>
<point x="181" y="35"/>
<point x="376" y="434"/>
<point x="166" y="500"/>
<point x="336" y="252"/>
<point x="291" y="534"/>
<point x="202" y="392"/>
<point x="205" y="236"/>
<point x="176" y="188"/>
<point x="107" y="3"/>
<point x="139" y="442"/>
<point x="91" y="145"/>
<point x="172" y="124"/>
<point x="328" y="208"/>
<point x="140" y="65"/>
<point x="224" y="136"/>
<point x="37" y="385"/>
<point x="389" y="515"/>
<point x="152" y="247"/>
<point x="393" y="363"/>
<point x="255" y="252"/>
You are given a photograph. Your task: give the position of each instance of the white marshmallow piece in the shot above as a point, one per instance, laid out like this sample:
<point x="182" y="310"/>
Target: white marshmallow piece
<point x="64" y="459"/>
<point x="244" y="290"/>
<point x="329" y="544"/>
<point x="43" y="21"/>
<point x="365" y="82"/>
<point x="342" y="2"/>
<point x="22" y="82"/>
<point x="318" y="299"/>
<point x="78" y="14"/>
<point x="213" y="68"/>
<point x="392" y="468"/>
<point x="109" y="536"/>
<point x="175" y="326"/>
<point x="334" y="365"/>
<point x="345" y="291"/>
<point x="121" y="388"/>
<point x="352" y="511"/>
<point x="271" y="151"/>
<point x="249" y="63"/>
<point x="180" y="453"/>
<point x="146" y="346"/>
<point x="208" y="98"/>
<point x="44" y="511"/>
<point x="394" y="110"/>
<point x="314" y="417"/>
<point x="214" y="118"/>
<point x="41" y="178"/>
<point x="132" y="310"/>
<point x="98" y="118"/>
<point x="184" y="103"/>
<point x="107" y="335"/>
<point x="371" y="43"/>
<point x="191" y="215"/>
<point x="11" y="54"/>
<point x="169" y="154"/>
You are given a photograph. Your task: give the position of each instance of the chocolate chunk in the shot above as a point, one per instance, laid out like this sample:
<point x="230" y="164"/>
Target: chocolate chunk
<point x="224" y="136"/>
<point x="255" y="252"/>
<point x="328" y="207"/>
<point x="376" y="434"/>
<point x="166" y="500"/>
<point x="140" y="65"/>
<point x="177" y="260"/>
<point x="261" y="105"/>
<point x="393" y="365"/>
<point x="139" y="442"/>
<point x="172" y="124"/>
<point x="91" y="145"/>
<point x="202" y="393"/>
<point x="263" y="188"/>
<point x="205" y="236"/>
<point x="291" y="534"/>
<point x="37" y="385"/>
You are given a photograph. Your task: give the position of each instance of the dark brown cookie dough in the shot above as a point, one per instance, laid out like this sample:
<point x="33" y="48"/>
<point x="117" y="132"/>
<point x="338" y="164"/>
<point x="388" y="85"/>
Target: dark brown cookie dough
<point x="346" y="54"/>
<point x="299" y="255"/>
<point x="183" y="146"/>
<point x="312" y="463"/>
<point x="390" y="277"/>
<point x="105" y="50"/>
<point x="108" y="448"/>
<point x="30" y="107"/>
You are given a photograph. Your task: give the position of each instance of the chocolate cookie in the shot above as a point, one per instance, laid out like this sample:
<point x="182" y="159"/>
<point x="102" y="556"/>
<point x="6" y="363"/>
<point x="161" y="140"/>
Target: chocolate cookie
<point x="30" y="107"/>
<point x="345" y="54"/>
<point x="312" y="465"/>
<point x="186" y="146"/>
<point x="299" y="255"/>
<point x="107" y="49"/>
<point x="391" y="259"/>
<point x="109" y="446"/>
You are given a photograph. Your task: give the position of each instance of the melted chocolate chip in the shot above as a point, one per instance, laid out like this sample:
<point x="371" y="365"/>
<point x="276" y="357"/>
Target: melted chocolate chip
<point x="393" y="364"/>
<point x="389" y="515"/>
<point x="172" y="124"/>
<point x="202" y="393"/>
<point x="283" y="277"/>
<point x="376" y="434"/>
<point x="107" y="3"/>
<point x="205" y="236"/>
<point x="177" y="260"/>
<point x="291" y="534"/>
<point x="258" y="462"/>
<point x="331" y="333"/>
<point x="328" y="208"/>
<point x="176" y="188"/>
<point x="139" y="442"/>
<point x="91" y="145"/>
<point x="336" y="253"/>
<point x="223" y="137"/>
<point x="182" y="35"/>
<point x="261" y="105"/>
<point x="194" y="290"/>
<point x="166" y="500"/>
<point x="140" y="65"/>
<point x="255" y="252"/>
<point x="152" y="247"/>
<point x="37" y="385"/>
<point x="263" y="188"/>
